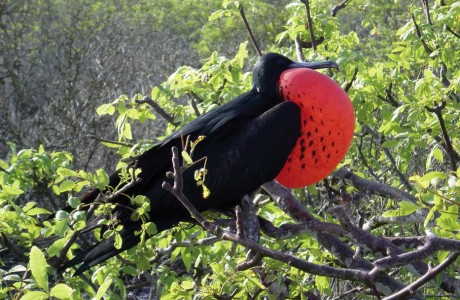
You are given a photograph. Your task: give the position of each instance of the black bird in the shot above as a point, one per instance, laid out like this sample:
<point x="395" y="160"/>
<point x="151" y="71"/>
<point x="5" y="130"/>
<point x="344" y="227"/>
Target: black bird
<point x="247" y="142"/>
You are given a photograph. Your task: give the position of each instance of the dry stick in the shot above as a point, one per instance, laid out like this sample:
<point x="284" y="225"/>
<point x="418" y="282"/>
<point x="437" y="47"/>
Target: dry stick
<point x="310" y="24"/>
<point x="248" y="28"/>
<point x="431" y="274"/>
<point x="437" y="110"/>
<point x="158" y="109"/>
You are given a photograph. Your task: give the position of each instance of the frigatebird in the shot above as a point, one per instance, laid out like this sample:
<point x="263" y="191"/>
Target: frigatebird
<point x="245" y="142"/>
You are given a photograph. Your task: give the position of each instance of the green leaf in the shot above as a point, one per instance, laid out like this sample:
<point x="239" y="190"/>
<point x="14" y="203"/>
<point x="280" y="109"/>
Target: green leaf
<point x="66" y="172"/>
<point x="61" y="291"/>
<point x="405" y="208"/>
<point x="66" y="185"/>
<point x="187" y="284"/>
<point x="73" y="202"/>
<point x="102" y="289"/>
<point x="187" y="258"/>
<point x="38" y="267"/>
<point x="105" y="109"/>
<point x="35" y="295"/>
<point x="449" y="219"/>
<point x="151" y="228"/>
<point x="102" y="177"/>
<point x="187" y="159"/>
<point x="118" y="242"/>
<point x="38" y="211"/>
<point x="417" y="179"/>
<point x="56" y="247"/>
<point x="390" y="143"/>
<point x="127" y="131"/>
<point x="437" y="153"/>
<point x="433" y="176"/>
<point x="323" y="284"/>
<point x="206" y="191"/>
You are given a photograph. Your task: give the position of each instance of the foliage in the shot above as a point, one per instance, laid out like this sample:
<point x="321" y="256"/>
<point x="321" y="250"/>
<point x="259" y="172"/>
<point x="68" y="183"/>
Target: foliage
<point x="398" y="62"/>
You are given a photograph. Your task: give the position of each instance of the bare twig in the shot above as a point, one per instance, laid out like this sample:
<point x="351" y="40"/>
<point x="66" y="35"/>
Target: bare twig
<point x="338" y="7"/>
<point x="310" y="24"/>
<point x="298" y="49"/>
<point x="92" y="136"/>
<point x="193" y="103"/>
<point x="419" y="35"/>
<point x="452" y="31"/>
<point x="390" y="157"/>
<point x="353" y="78"/>
<point x="13" y="248"/>
<point x="248" y="28"/>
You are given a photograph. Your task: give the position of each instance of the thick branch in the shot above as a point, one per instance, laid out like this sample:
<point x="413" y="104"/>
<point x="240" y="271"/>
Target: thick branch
<point x="373" y="186"/>
<point x="431" y="274"/>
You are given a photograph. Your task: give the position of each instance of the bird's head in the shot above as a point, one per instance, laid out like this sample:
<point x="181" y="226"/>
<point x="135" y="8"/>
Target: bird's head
<point x="327" y="115"/>
<point x="267" y="72"/>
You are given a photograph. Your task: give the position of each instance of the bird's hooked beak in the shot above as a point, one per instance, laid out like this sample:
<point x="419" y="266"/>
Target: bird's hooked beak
<point x="327" y="64"/>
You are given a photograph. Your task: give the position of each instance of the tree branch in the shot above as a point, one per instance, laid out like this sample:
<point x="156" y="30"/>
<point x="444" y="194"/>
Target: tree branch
<point x="158" y="110"/>
<point x="373" y="186"/>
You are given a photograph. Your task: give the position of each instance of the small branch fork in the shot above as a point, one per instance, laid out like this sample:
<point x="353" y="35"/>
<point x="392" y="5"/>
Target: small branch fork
<point x="437" y="110"/>
<point x="356" y="269"/>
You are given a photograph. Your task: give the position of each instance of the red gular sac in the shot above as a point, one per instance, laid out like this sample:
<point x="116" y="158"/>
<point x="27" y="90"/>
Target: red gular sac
<point x="328" y="122"/>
